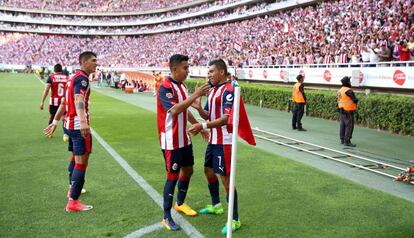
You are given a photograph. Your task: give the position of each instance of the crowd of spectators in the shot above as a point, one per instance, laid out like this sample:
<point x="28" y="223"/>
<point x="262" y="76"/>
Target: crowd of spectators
<point x="71" y="19"/>
<point x="345" y="31"/>
<point x="171" y="25"/>
<point x="93" y="5"/>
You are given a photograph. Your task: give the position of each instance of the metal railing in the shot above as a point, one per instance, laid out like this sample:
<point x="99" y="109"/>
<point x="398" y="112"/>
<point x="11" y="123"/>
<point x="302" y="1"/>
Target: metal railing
<point x="377" y="166"/>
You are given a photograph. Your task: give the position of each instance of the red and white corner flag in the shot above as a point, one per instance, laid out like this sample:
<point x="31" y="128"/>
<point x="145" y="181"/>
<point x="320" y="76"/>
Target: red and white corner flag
<point x="244" y="128"/>
<point x="240" y="124"/>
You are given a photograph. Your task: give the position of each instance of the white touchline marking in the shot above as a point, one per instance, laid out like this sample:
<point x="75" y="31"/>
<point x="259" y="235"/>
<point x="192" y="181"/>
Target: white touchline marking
<point x="189" y="229"/>
<point x="40" y="79"/>
<point x="146" y="230"/>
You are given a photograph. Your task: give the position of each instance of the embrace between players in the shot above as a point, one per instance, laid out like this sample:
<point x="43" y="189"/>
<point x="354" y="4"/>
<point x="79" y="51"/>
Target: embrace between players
<point x="173" y="115"/>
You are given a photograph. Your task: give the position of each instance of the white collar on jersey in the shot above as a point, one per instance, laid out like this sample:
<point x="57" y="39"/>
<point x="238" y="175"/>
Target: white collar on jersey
<point x="174" y="81"/>
<point x="220" y="84"/>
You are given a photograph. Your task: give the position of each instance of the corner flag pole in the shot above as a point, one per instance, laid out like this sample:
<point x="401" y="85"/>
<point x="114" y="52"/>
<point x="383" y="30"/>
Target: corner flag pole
<point x="236" y="107"/>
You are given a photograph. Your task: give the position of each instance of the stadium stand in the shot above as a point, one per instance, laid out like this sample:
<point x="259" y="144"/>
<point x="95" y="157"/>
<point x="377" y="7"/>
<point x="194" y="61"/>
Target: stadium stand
<point x="93" y="5"/>
<point x="326" y="32"/>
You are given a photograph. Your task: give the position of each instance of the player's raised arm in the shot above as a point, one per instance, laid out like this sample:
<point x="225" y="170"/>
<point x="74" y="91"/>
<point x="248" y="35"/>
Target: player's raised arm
<point x="179" y="71"/>
<point x="180" y="107"/>
<point x="218" y="78"/>
<point x="197" y="105"/>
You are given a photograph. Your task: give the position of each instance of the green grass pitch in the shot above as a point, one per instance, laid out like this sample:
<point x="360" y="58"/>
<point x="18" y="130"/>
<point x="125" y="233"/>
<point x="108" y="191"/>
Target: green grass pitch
<point x="277" y="196"/>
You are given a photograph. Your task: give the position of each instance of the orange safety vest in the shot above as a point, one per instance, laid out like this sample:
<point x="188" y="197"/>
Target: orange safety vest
<point x="297" y="95"/>
<point x="344" y="101"/>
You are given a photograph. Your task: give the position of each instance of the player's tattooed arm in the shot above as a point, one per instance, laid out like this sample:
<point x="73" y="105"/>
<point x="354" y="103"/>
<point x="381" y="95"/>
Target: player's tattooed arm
<point x="80" y="111"/>
<point x="79" y="102"/>
<point x="80" y="105"/>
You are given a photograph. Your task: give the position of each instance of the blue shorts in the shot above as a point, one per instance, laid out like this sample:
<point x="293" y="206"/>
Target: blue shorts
<point x="53" y="109"/>
<point x="218" y="157"/>
<point x="77" y="143"/>
<point x="175" y="159"/>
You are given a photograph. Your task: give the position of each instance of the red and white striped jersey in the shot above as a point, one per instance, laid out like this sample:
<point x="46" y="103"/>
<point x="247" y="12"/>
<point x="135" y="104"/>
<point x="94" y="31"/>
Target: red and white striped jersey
<point x="57" y="87"/>
<point x="327" y="59"/>
<point x="220" y="103"/>
<point x="172" y="130"/>
<point x="77" y="84"/>
<point x="343" y="58"/>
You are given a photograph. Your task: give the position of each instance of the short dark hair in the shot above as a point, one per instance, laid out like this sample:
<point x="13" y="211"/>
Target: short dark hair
<point x="220" y="64"/>
<point x="57" y="68"/>
<point x="299" y="77"/>
<point x="176" y="59"/>
<point x="85" y="56"/>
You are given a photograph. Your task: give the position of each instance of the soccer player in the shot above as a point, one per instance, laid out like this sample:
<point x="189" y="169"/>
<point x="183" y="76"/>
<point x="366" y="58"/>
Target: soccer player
<point x="50" y="129"/>
<point x="77" y="127"/>
<point x="172" y="116"/>
<point x="218" y="154"/>
<point x="56" y="84"/>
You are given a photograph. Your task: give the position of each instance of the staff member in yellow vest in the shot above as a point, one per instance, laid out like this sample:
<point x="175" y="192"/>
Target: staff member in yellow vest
<point x="347" y="104"/>
<point x="299" y="101"/>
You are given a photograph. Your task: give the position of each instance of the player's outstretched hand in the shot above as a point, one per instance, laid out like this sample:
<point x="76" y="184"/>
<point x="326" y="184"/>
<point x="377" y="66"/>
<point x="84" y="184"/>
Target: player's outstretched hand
<point x="195" y="129"/>
<point x="203" y="90"/>
<point x="205" y="135"/>
<point x="49" y="130"/>
<point x="41" y="106"/>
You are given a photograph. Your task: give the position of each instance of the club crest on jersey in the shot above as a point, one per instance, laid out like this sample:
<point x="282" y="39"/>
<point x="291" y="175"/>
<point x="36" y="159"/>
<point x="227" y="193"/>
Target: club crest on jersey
<point x="229" y="97"/>
<point x="175" y="166"/>
<point x="169" y="95"/>
<point x="84" y="83"/>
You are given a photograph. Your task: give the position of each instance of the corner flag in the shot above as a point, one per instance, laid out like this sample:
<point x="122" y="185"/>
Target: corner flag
<point x="246" y="134"/>
<point x="244" y="128"/>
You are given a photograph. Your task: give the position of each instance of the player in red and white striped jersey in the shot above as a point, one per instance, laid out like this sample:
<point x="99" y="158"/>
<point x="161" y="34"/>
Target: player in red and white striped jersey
<point x="218" y="154"/>
<point x="77" y="126"/>
<point x="49" y="131"/>
<point x="56" y="84"/>
<point x="173" y="102"/>
<point x="77" y="85"/>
